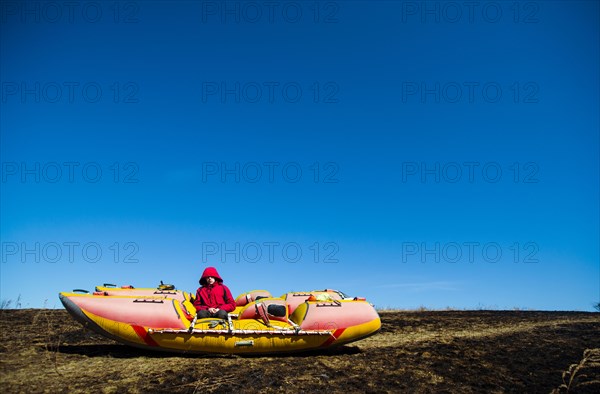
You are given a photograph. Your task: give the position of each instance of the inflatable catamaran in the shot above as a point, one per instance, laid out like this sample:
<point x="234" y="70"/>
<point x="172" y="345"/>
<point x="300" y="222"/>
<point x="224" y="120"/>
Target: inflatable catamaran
<point x="163" y="318"/>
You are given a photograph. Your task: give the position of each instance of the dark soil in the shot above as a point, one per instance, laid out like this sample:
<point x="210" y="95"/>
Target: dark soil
<point x="440" y="351"/>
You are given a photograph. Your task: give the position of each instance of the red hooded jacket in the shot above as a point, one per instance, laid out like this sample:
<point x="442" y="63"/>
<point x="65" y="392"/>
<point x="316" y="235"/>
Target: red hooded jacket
<point x="216" y="295"/>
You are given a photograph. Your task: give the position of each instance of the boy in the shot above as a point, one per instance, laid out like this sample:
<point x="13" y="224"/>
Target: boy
<point x="213" y="298"/>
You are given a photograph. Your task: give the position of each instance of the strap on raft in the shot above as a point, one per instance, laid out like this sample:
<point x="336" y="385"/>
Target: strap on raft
<point x="244" y="332"/>
<point x="149" y="300"/>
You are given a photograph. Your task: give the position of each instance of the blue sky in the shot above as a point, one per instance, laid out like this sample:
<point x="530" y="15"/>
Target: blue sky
<point x="418" y="154"/>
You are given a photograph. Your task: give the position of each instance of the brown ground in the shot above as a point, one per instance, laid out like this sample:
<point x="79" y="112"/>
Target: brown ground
<point x="442" y="351"/>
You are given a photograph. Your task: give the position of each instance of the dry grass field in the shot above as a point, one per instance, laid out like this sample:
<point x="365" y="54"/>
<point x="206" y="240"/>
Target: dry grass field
<point x="45" y="350"/>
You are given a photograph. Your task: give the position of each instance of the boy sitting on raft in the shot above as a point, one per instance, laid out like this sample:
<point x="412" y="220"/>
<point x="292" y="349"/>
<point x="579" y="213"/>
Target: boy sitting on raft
<point x="213" y="298"/>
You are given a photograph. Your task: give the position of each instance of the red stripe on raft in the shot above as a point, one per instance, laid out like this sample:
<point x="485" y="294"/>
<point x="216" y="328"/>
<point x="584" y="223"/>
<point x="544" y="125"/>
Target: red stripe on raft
<point x="142" y="333"/>
<point x="336" y="334"/>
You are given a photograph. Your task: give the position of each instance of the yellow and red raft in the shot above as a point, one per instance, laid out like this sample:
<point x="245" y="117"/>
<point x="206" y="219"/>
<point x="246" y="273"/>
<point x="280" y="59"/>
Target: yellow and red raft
<point x="163" y="319"/>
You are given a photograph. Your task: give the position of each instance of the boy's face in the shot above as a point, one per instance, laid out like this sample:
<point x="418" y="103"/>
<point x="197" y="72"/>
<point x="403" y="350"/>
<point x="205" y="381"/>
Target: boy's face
<point x="210" y="280"/>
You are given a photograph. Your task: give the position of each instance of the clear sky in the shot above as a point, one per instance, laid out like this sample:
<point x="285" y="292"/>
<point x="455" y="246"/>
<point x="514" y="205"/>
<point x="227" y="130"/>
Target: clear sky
<point x="439" y="154"/>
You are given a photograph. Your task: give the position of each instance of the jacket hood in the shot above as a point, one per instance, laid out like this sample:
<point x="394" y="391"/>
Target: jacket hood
<point x="210" y="271"/>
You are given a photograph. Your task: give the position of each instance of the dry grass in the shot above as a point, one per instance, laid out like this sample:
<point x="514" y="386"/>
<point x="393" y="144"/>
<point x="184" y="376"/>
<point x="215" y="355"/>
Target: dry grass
<point x="582" y="376"/>
<point x="451" y="351"/>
